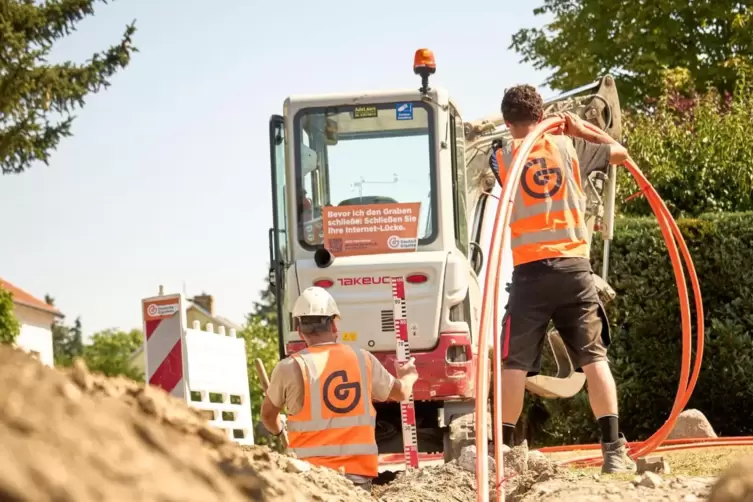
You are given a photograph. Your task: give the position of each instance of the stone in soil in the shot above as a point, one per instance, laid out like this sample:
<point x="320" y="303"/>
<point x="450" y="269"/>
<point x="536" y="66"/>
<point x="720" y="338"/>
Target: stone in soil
<point x="653" y="464"/>
<point x="77" y="437"/>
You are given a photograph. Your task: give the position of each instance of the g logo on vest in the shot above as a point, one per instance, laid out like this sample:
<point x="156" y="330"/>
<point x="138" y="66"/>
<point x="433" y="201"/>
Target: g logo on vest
<point x="547" y="181"/>
<point x="342" y="392"/>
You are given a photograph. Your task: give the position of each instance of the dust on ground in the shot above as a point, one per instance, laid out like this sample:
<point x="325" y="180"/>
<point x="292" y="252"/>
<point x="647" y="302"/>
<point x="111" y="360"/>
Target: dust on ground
<point x="77" y="437"/>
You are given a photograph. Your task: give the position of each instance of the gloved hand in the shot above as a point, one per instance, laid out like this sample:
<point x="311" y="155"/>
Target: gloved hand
<point x="261" y="431"/>
<point x="284" y="422"/>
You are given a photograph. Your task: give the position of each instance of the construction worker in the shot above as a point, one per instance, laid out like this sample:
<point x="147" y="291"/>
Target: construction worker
<point x="328" y="390"/>
<point x="552" y="276"/>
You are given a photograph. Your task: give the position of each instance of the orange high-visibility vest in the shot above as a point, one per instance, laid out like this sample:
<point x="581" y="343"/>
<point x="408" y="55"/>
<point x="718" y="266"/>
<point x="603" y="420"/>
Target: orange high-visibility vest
<point x="336" y="426"/>
<point x="548" y="213"/>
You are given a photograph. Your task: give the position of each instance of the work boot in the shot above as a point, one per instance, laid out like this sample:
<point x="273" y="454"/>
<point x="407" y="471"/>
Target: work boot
<point x="616" y="458"/>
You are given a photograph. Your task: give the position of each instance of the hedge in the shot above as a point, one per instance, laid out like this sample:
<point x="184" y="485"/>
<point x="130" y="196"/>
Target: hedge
<point x="646" y="332"/>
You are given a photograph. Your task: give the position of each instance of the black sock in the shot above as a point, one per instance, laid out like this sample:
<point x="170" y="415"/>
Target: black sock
<point x="610" y="428"/>
<point x="508" y="434"/>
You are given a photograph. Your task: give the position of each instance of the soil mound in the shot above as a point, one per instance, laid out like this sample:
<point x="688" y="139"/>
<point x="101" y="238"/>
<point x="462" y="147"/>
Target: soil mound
<point x="76" y="437"/>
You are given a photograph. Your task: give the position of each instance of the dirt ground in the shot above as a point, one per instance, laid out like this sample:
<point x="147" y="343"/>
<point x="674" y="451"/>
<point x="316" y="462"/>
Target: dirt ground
<point x="73" y="436"/>
<point x="80" y="438"/>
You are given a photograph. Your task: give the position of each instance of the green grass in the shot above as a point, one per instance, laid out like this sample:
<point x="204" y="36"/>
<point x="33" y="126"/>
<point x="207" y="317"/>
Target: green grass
<point x="699" y="462"/>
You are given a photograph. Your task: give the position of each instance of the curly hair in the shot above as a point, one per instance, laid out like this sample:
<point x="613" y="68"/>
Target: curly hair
<point x="522" y="104"/>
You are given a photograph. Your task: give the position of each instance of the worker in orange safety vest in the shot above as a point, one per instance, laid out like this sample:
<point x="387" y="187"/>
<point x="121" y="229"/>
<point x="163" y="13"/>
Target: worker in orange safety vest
<point x="328" y="389"/>
<point x="552" y="277"/>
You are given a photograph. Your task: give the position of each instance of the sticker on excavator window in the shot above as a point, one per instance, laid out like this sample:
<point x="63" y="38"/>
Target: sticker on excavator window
<point x="365" y="112"/>
<point x="404" y="111"/>
<point x="350" y="336"/>
<point x="371" y="228"/>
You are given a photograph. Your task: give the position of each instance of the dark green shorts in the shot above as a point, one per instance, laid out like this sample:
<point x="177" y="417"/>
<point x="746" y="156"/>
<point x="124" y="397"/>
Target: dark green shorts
<point x="562" y="291"/>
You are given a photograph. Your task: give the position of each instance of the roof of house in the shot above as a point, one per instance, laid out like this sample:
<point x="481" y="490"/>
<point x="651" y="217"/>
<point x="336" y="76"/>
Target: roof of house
<point x="223" y="320"/>
<point x="26" y="299"/>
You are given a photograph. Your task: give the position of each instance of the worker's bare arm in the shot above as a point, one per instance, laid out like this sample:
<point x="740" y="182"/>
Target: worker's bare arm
<point x="282" y="385"/>
<point x="575" y="127"/>
<point x="270" y="416"/>
<point x="406" y="377"/>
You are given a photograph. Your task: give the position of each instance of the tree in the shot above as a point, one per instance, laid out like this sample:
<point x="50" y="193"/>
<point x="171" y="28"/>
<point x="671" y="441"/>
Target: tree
<point x="67" y="341"/>
<point x="37" y="98"/>
<point x="695" y="149"/>
<point x="266" y="308"/>
<point x="10" y="328"/>
<point x="636" y="42"/>
<point x="261" y="343"/>
<point x="109" y="352"/>
<point x="260" y="334"/>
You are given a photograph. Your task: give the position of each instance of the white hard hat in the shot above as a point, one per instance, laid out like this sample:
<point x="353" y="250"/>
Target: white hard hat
<point x="315" y="301"/>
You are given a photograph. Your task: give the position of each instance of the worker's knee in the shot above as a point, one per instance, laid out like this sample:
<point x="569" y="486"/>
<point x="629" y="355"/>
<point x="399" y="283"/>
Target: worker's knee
<point x="513" y="378"/>
<point x="598" y="370"/>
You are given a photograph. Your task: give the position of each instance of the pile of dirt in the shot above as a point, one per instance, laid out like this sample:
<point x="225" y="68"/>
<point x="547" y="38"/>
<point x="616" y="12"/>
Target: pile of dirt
<point x="456" y="481"/>
<point x="447" y="483"/>
<point x="80" y="437"/>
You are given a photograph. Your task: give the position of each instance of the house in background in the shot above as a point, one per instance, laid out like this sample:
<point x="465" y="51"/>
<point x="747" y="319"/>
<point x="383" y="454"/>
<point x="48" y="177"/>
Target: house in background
<point x="199" y="308"/>
<point x="36" y="318"/>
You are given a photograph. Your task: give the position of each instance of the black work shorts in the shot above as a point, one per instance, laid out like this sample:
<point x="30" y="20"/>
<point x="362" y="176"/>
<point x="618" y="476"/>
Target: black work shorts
<point x="558" y="290"/>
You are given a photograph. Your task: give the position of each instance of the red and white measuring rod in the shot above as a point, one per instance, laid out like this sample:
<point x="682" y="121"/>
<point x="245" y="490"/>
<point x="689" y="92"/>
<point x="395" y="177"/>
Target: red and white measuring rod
<point x="407" y="408"/>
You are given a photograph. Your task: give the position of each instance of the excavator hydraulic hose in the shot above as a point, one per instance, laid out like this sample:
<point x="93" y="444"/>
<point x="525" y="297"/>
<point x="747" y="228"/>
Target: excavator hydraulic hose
<point x="672" y="238"/>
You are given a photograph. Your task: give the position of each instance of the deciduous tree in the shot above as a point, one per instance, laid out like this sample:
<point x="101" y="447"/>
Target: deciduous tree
<point x="695" y="149"/>
<point x="37" y="98"/>
<point x="637" y="41"/>
<point x="10" y="328"/>
<point x="109" y="352"/>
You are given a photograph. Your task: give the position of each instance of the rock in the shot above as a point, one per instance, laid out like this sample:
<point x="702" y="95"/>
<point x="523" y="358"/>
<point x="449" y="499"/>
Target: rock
<point x="649" y="480"/>
<point x="537" y="462"/>
<point x="613" y="489"/>
<point x="653" y="464"/>
<point x="690" y="498"/>
<point x="297" y="466"/>
<point x="692" y="424"/>
<point x="467" y="459"/>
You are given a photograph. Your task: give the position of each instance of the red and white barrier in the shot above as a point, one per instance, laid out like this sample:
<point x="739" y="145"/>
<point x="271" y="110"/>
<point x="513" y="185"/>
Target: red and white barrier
<point x="164" y="353"/>
<point x="206" y="369"/>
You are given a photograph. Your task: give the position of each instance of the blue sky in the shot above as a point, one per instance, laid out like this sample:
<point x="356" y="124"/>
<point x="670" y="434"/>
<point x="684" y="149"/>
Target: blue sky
<point x="166" y="179"/>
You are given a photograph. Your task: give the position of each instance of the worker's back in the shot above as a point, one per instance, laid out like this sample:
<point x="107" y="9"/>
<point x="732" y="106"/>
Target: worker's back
<point x="548" y="216"/>
<point x="335" y="426"/>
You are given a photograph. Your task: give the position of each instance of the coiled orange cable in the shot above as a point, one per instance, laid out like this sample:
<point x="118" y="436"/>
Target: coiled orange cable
<point x="672" y="238"/>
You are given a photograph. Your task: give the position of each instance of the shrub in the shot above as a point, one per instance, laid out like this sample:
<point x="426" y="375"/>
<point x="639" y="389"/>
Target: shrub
<point x="695" y="149"/>
<point x="646" y="333"/>
<point x="9" y="325"/>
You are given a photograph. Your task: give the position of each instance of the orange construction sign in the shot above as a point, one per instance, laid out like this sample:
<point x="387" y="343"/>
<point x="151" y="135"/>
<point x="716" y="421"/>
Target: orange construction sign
<point x="371" y="228"/>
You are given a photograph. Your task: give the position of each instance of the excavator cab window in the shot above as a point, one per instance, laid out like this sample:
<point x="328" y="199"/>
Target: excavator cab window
<point x="365" y="154"/>
<point x="457" y="147"/>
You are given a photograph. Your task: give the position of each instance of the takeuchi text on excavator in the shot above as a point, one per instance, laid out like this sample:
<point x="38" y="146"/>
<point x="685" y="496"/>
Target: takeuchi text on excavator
<point x="349" y="158"/>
